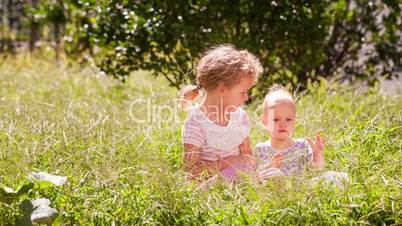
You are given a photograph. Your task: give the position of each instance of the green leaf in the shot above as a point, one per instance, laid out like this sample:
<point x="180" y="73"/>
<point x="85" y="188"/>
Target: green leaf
<point x="25" y="187"/>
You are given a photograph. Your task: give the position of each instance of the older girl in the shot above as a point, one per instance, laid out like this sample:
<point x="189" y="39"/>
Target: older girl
<point x="216" y="132"/>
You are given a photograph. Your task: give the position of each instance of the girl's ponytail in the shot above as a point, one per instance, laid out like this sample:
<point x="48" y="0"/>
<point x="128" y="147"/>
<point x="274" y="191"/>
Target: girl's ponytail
<point x="189" y="94"/>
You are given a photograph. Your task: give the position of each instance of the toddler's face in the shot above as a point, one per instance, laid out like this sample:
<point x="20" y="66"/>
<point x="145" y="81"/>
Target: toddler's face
<point x="280" y="120"/>
<point x="236" y="95"/>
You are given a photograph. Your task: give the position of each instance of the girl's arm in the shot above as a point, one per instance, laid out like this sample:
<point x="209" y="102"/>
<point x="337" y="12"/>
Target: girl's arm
<point x="247" y="153"/>
<point x="194" y="165"/>
<point x="191" y="160"/>
<point x="245" y="147"/>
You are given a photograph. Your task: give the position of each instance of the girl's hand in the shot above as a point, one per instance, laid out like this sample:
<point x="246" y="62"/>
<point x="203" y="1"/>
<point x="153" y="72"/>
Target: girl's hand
<point x="237" y="159"/>
<point x="318" y="150"/>
<point x="276" y="161"/>
<point x="231" y="160"/>
<point x="212" y="167"/>
<point x="249" y="160"/>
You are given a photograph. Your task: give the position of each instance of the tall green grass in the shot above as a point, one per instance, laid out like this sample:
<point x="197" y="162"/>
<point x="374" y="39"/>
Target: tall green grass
<point x="67" y="120"/>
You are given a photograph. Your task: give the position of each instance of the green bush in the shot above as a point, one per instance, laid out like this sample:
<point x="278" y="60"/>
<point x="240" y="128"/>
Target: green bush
<point x="296" y="42"/>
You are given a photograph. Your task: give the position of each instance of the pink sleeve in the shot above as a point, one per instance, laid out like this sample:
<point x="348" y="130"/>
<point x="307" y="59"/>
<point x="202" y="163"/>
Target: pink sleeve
<point x="192" y="133"/>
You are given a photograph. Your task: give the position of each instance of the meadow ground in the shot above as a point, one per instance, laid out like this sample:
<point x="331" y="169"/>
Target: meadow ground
<point x="119" y="145"/>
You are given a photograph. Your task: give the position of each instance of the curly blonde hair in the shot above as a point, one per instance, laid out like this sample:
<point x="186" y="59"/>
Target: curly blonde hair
<point x="222" y="64"/>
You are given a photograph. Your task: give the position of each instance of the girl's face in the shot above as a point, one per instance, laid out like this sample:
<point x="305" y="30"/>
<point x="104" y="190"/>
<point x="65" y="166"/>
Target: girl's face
<point x="280" y="120"/>
<point x="235" y="96"/>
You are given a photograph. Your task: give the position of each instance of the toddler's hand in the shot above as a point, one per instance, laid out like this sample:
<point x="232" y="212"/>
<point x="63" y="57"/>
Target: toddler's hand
<point x="277" y="160"/>
<point x="317" y="146"/>
<point x="318" y="150"/>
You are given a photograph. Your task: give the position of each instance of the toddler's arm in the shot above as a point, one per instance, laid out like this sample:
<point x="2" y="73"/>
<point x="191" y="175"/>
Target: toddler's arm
<point x="267" y="158"/>
<point x="318" y="151"/>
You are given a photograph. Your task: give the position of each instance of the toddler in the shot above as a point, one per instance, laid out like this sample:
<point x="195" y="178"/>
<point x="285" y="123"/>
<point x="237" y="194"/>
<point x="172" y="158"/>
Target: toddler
<point x="284" y="155"/>
<point x="283" y="152"/>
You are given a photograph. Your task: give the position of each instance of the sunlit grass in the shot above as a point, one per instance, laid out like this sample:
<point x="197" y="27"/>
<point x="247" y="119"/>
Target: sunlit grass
<point x="67" y="120"/>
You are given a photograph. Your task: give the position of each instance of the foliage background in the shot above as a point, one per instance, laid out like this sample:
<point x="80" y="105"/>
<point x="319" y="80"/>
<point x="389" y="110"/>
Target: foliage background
<point x="297" y="42"/>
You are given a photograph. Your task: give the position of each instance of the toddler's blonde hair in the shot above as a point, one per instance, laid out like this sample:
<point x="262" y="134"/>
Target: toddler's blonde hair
<point x="275" y="89"/>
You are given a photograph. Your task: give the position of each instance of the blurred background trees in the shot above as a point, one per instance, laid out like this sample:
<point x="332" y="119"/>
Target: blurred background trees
<point x="30" y="24"/>
<point x="296" y="41"/>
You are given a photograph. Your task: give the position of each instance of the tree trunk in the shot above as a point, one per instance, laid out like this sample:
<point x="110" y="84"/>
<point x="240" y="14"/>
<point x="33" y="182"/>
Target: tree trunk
<point x="34" y="29"/>
<point x="56" y="33"/>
